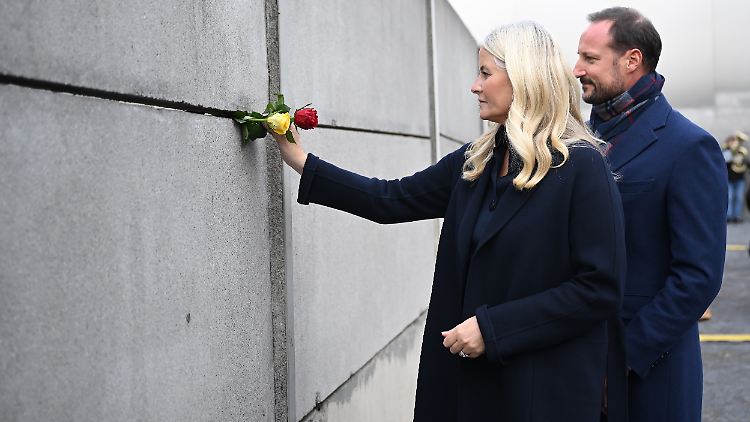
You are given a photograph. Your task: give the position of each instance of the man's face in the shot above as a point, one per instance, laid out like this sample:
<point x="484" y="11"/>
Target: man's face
<point x="599" y="67"/>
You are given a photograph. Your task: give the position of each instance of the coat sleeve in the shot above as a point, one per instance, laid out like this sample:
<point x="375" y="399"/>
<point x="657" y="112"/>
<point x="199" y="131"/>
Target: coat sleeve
<point x="594" y="292"/>
<point x="696" y="210"/>
<point x="420" y="196"/>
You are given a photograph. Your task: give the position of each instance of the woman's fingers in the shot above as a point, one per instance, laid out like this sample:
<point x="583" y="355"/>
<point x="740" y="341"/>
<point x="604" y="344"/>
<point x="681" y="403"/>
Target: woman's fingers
<point x="465" y="337"/>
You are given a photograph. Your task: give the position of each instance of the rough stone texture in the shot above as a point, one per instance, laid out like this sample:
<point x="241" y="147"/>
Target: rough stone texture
<point x="356" y="284"/>
<point x="133" y="264"/>
<point x="447" y="146"/>
<point x="363" y="64"/>
<point x="383" y="390"/>
<point x="456" y="71"/>
<point x="209" y="53"/>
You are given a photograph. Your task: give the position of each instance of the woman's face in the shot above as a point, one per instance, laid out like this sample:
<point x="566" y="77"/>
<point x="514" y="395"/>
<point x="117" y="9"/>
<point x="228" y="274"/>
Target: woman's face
<point x="493" y="89"/>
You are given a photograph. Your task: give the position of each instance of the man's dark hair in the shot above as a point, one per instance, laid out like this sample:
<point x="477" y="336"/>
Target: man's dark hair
<point x="629" y="30"/>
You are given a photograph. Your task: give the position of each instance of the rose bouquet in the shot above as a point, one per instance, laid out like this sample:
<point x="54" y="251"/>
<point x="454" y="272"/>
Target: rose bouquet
<point x="277" y="118"/>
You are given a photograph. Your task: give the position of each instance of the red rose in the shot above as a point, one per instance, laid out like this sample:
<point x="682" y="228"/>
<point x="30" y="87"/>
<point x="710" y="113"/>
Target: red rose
<point x="306" y="118"/>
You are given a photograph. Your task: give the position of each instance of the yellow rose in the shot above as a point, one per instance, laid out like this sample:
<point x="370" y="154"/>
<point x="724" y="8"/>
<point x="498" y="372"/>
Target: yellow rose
<point x="279" y="123"/>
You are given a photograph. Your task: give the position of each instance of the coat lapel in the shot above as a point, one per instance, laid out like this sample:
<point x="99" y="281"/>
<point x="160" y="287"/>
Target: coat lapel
<point x="511" y="201"/>
<point x="639" y="136"/>
<point x="468" y="202"/>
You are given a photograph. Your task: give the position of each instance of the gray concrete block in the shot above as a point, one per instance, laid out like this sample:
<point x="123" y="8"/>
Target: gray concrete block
<point x="209" y="53"/>
<point x="448" y="145"/>
<point x="133" y="264"/>
<point x="363" y="64"/>
<point x="384" y="389"/>
<point x="356" y="284"/>
<point x="456" y="71"/>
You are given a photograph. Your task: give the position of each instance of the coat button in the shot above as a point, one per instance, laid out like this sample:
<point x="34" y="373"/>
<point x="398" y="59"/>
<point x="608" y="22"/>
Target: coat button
<point x="493" y="205"/>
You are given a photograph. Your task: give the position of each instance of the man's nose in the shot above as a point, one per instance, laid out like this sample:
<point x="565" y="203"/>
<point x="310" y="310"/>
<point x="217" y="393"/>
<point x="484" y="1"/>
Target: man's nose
<point x="578" y="70"/>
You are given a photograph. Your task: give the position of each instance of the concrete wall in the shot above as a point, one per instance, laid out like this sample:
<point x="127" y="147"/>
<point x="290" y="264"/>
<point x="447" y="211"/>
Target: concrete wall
<point x="346" y="270"/>
<point x="134" y="264"/>
<point x="357" y="284"/>
<point x="134" y="281"/>
<point x="149" y="269"/>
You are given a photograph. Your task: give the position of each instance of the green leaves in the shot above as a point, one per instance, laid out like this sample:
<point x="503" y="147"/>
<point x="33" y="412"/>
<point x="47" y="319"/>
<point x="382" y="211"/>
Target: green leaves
<point x="277" y="107"/>
<point x="251" y="123"/>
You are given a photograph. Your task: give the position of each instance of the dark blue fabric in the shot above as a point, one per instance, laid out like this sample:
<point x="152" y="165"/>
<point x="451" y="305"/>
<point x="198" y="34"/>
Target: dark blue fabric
<point x="495" y="189"/>
<point x="543" y="280"/>
<point x="672" y="179"/>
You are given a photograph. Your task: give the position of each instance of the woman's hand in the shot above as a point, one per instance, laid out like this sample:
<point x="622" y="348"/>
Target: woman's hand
<point x="292" y="154"/>
<point x="465" y="337"/>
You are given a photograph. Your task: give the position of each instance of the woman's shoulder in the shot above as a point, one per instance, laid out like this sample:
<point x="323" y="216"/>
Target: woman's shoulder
<point x="585" y="150"/>
<point x="585" y="156"/>
<point x="457" y="156"/>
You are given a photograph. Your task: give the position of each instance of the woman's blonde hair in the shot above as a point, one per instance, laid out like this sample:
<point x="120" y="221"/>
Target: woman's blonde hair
<point x="545" y="112"/>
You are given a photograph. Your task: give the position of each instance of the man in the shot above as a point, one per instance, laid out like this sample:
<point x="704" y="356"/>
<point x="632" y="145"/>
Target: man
<point x="672" y="178"/>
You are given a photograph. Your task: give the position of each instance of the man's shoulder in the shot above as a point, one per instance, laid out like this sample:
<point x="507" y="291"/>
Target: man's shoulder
<point x="683" y="127"/>
<point x="676" y="125"/>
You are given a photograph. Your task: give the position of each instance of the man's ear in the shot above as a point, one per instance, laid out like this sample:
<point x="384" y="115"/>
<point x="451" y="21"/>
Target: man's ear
<point x="633" y="59"/>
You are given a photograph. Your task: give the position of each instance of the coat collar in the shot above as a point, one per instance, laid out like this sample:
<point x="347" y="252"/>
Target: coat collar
<point x="640" y="135"/>
<point x="472" y="195"/>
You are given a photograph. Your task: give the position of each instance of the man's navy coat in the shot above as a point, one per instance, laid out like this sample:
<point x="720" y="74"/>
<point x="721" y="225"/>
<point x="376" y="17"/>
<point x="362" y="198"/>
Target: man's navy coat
<point x="542" y="281"/>
<point x="673" y="183"/>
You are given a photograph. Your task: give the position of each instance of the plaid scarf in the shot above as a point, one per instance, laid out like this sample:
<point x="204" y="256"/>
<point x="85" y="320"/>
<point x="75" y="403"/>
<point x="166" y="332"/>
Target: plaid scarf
<point x="613" y="117"/>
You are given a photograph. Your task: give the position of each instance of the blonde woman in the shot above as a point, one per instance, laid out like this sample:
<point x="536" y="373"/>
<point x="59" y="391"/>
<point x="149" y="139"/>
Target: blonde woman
<point x="530" y="262"/>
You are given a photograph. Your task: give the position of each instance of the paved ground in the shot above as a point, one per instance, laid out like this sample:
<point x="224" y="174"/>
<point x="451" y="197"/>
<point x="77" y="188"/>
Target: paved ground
<point x="726" y="366"/>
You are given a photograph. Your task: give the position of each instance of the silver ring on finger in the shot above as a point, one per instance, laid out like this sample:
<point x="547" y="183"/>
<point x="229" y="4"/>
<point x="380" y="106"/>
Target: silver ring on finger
<point x="463" y="355"/>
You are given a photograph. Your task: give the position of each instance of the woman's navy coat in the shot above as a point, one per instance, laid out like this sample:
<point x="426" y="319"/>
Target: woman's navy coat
<point x="543" y="281"/>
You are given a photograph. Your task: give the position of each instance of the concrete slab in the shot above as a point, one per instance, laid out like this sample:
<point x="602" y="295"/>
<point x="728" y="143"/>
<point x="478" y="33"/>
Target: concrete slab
<point x="210" y="53"/>
<point x="456" y="71"/>
<point x="362" y="64"/>
<point x="134" y="264"/>
<point x="384" y="389"/>
<point x="448" y="145"/>
<point x="356" y="284"/>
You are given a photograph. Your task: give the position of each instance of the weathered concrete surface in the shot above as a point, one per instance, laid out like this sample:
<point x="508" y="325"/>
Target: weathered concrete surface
<point x="133" y="264"/>
<point x="456" y="71"/>
<point x="356" y="284"/>
<point x="383" y="390"/>
<point x="447" y="146"/>
<point x="210" y="53"/>
<point x="363" y="64"/>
